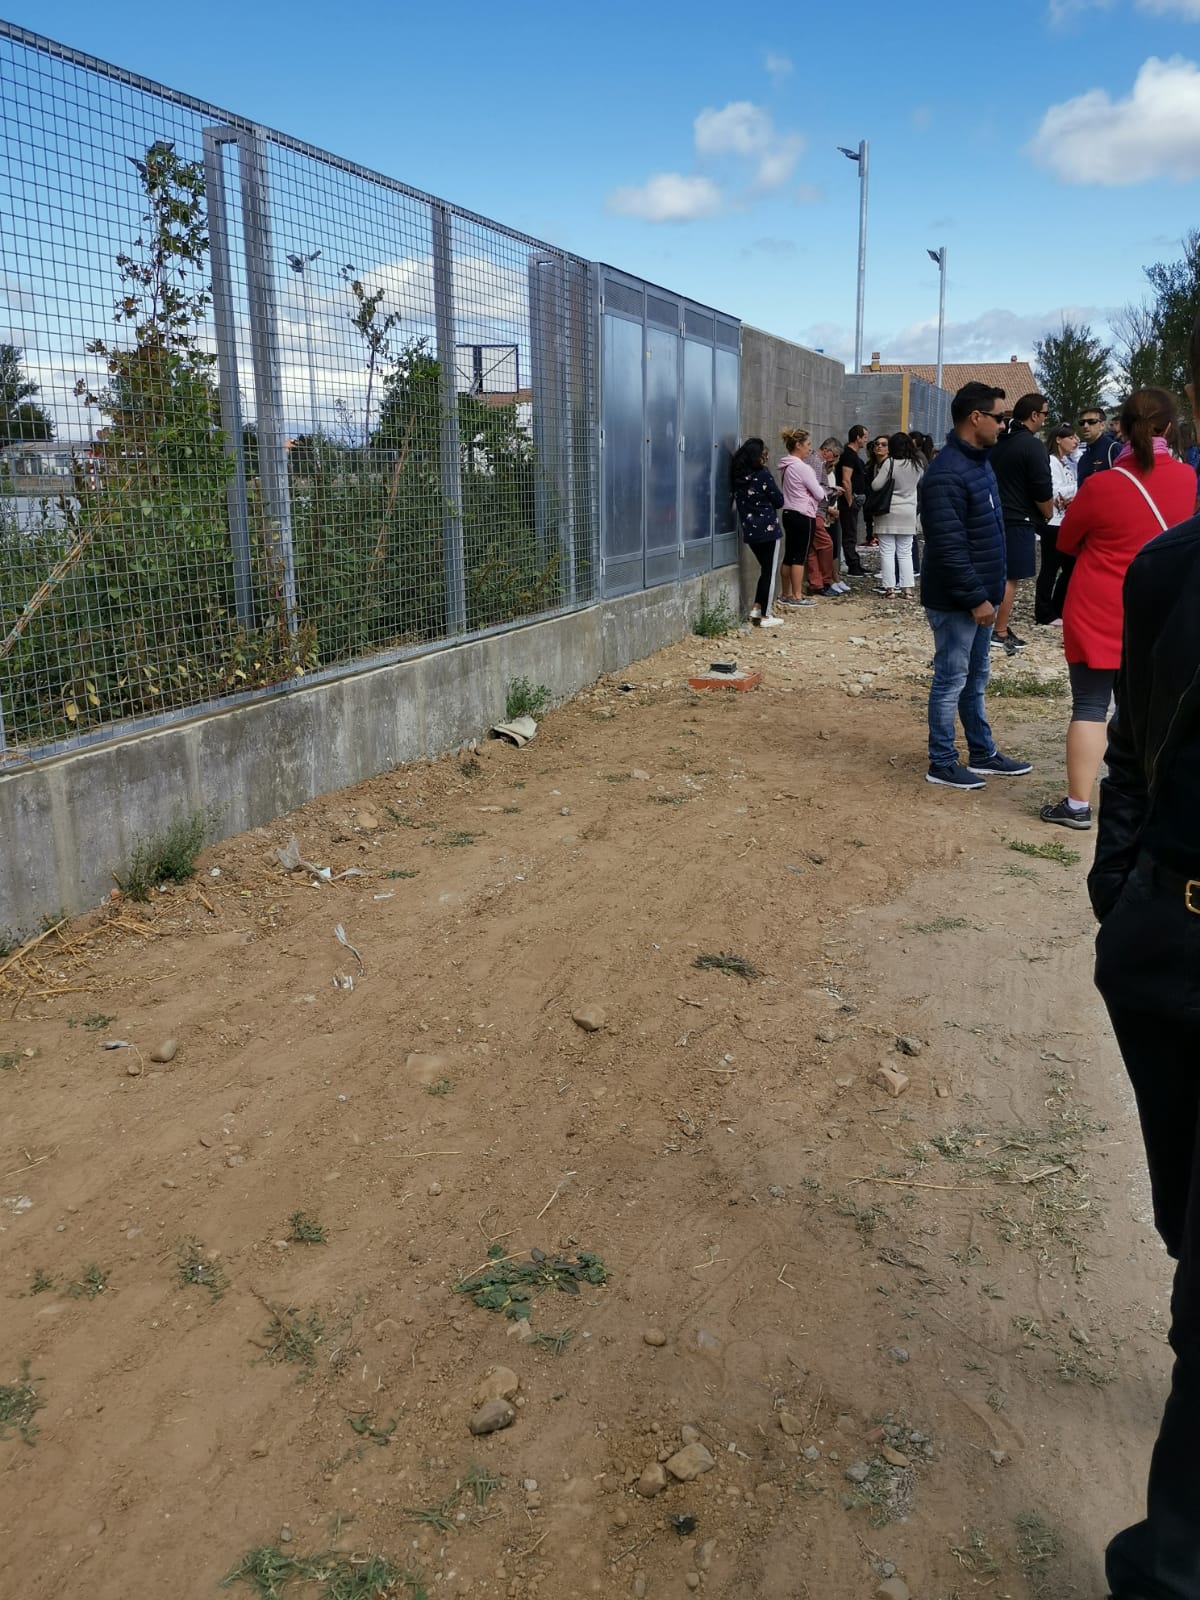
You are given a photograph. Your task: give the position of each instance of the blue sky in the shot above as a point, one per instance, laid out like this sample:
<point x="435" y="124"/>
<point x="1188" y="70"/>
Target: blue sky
<point x="1052" y="145"/>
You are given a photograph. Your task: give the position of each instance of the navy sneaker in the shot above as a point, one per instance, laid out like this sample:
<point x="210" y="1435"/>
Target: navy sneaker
<point x="954" y="776"/>
<point x="1067" y="815"/>
<point x="999" y="766"/>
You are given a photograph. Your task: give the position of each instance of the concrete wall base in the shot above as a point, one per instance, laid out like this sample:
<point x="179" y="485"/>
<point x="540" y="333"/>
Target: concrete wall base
<point x="69" y="822"/>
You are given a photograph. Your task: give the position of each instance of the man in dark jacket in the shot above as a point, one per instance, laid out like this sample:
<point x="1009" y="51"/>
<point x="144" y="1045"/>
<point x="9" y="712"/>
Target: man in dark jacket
<point x="852" y="489"/>
<point x="1100" y="447"/>
<point x="962" y="582"/>
<point x="1022" y="466"/>
<point x="1145" y="889"/>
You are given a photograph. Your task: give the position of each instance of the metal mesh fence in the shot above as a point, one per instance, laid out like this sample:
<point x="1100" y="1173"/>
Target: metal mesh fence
<point x="262" y="412"/>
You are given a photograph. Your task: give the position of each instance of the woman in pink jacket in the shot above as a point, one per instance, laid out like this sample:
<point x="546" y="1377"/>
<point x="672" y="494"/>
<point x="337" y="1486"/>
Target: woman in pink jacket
<point x="803" y="497"/>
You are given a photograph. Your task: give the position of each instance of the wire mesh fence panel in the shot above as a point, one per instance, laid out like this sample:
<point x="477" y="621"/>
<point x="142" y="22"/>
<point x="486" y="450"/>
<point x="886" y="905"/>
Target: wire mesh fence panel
<point x="262" y="412"/>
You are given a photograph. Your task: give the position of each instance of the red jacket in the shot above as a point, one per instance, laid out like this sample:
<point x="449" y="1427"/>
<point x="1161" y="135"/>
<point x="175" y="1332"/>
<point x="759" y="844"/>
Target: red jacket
<point x="1106" y="525"/>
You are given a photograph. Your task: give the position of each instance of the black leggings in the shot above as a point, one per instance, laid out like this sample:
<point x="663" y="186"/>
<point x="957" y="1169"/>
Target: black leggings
<point x="764" y="552"/>
<point x="1054" y="574"/>
<point x="797" y="537"/>
<point x="1091" y="690"/>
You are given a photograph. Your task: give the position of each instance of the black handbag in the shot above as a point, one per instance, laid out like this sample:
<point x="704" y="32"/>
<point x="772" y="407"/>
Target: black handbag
<point x="879" y="501"/>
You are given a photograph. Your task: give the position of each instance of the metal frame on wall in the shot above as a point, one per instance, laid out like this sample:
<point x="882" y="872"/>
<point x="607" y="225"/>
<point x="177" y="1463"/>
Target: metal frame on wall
<point x="669" y="392"/>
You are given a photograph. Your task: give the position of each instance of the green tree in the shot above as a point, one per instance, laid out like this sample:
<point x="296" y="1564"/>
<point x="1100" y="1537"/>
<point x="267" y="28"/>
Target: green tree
<point x="20" y="418"/>
<point x="1155" y="337"/>
<point x="1072" y="369"/>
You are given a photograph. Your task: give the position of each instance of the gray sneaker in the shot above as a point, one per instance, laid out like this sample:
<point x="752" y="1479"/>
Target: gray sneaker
<point x="1067" y="815"/>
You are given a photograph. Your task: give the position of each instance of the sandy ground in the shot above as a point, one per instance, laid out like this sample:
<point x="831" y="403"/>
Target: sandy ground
<point x="920" y="1334"/>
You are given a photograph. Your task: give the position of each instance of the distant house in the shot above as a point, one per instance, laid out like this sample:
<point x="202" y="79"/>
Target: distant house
<point x="1013" y="376"/>
<point x="42" y="467"/>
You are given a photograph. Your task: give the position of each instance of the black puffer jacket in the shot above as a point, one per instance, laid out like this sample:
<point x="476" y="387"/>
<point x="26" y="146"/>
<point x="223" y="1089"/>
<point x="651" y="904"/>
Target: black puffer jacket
<point x="1158" y="699"/>
<point x="962" y="563"/>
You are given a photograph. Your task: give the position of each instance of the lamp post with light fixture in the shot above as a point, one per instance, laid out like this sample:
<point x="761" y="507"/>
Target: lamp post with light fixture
<point x="940" y="257"/>
<point x="859" y="156"/>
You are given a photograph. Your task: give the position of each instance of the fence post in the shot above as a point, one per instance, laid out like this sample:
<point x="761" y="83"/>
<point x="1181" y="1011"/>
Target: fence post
<point x="450" y="455"/>
<point x="264" y="346"/>
<point x="231" y="405"/>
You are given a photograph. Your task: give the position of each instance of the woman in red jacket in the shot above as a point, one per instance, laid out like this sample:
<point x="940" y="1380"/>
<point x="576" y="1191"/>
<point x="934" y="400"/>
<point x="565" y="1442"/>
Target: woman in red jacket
<point x="1114" y="514"/>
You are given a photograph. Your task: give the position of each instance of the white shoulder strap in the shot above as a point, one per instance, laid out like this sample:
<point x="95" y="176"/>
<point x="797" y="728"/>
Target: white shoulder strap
<point x="1145" y="494"/>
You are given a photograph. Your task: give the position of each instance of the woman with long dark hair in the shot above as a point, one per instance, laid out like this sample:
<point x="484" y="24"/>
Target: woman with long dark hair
<point x="1113" y="515"/>
<point x="896" y="527"/>
<point x="1054" y="571"/>
<point x="759" y="502"/>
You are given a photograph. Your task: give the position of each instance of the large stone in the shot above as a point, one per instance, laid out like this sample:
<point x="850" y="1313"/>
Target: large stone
<point x="652" y="1481"/>
<point x="492" y="1416"/>
<point x="690" y="1462"/>
<point x="590" y="1018"/>
<point x="501" y="1383"/>
<point x="790" y="1424"/>
<point x="893" y="1081"/>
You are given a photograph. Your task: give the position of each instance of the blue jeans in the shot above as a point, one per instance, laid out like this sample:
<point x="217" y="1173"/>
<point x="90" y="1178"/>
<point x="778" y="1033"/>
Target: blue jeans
<point x="961" y="664"/>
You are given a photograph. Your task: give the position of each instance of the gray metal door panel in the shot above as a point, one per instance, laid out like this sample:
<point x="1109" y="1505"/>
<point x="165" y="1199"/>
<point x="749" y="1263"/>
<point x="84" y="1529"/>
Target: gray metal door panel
<point x="623" y="475"/>
<point x="662" y="456"/>
<point x="697" y="497"/>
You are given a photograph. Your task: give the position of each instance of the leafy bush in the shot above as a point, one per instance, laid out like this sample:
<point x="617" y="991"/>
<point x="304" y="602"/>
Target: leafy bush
<point x="171" y="858"/>
<point x="525" y="699"/>
<point x="714" y="618"/>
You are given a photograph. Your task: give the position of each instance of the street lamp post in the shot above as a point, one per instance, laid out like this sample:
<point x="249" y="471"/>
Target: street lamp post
<point x="300" y="265"/>
<point x="859" y="156"/>
<point x="940" y="257"/>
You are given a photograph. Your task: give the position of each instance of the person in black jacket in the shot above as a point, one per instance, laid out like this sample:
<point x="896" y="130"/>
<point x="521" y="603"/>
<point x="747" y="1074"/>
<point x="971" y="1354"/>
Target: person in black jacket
<point x="759" y="500"/>
<point x="962" y="582"/>
<point x="1022" y="466"/>
<point x="1100" y="446"/>
<point x="1145" y="890"/>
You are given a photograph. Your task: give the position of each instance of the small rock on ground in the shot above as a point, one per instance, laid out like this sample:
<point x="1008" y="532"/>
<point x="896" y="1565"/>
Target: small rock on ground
<point x="890" y="1079"/>
<point x="590" y="1018"/>
<point x="858" y="1472"/>
<point x="898" y="1353"/>
<point x="690" y="1462"/>
<point x="501" y="1383"/>
<point x="892" y="1589"/>
<point x="166" y="1051"/>
<point x="492" y="1416"/>
<point x="655" y="1337"/>
<point x="652" y="1481"/>
<point x="909" y="1046"/>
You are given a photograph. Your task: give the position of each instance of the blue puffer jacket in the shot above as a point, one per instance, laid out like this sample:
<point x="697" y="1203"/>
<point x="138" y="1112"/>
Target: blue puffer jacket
<point x="758" y="500"/>
<point x="963" y="559"/>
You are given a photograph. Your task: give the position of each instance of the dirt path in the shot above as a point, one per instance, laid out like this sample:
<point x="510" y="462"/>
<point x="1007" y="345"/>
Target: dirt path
<point x="953" y="1295"/>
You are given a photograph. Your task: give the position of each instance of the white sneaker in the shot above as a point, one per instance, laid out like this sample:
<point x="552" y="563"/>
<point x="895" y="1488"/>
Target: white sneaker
<point x="839" y="588"/>
<point x="756" y="614"/>
<point x="771" y="622"/>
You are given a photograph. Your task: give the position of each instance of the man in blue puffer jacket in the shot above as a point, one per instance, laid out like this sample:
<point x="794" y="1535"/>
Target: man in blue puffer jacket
<point x="962" y="583"/>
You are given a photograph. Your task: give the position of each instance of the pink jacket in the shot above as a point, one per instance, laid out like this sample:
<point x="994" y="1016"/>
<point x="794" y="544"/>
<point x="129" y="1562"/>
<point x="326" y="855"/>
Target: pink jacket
<point x="803" y="491"/>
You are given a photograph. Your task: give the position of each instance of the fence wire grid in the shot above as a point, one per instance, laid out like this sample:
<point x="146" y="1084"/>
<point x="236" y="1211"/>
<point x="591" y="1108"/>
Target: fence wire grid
<point x="263" y="413"/>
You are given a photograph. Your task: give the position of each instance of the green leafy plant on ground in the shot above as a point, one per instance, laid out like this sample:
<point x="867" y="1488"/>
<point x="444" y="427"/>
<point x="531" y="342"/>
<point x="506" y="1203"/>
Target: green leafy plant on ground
<point x="169" y="858"/>
<point x="92" y="1281"/>
<point x="19" y="1404"/>
<point x="509" y="1286"/>
<point x="291" y="1337"/>
<point x="195" y="1267"/>
<point x="726" y="961"/>
<point x="270" y="1571"/>
<point x="477" y="1486"/>
<point x="715" y="616"/>
<point x="306" y="1229"/>
<point x="1051" y="850"/>
<point x="1025" y="686"/>
<point x="525" y="699"/>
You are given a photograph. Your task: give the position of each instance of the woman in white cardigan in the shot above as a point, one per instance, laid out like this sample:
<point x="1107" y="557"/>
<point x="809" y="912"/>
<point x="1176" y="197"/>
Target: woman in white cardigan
<point x="896" y="527"/>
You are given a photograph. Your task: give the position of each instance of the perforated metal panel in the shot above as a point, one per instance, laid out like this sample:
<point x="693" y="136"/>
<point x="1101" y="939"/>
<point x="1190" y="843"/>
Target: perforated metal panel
<point x="664" y="312"/>
<point x="623" y="297"/>
<point x="698" y="324"/>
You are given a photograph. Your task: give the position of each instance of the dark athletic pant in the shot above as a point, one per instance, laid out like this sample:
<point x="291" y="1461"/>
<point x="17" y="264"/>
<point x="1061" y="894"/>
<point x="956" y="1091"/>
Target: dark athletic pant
<point x="1054" y="574"/>
<point x="848" y="523"/>
<point x="1148" y="951"/>
<point x="766" y="553"/>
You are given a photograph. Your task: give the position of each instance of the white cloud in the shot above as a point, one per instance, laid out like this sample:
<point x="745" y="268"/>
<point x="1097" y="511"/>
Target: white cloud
<point x="668" y="197"/>
<point x="1189" y="10"/>
<point x="993" y="335"/>
<point x="750" y="155"/>
<point x="1063" y="12"/>
<point x="1153" y="132"/>
<point x="747" y="131"/>
<point x="778" y="66"/>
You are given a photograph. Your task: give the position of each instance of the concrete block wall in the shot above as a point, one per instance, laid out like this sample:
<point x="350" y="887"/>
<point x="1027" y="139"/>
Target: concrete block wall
<point x="69" y="822"/>
<point x="894" y="402"/>
<point x="786" y="385"/>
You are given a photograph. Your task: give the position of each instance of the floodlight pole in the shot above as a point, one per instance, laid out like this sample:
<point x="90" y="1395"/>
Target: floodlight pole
<point x="940" y="257"/>
<point x="860" y="157"/>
